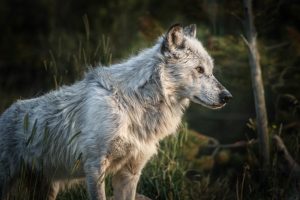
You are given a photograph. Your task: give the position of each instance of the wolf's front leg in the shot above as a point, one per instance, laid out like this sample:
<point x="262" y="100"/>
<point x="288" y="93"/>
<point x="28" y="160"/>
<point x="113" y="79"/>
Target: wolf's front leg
<point x="95" y="180"/>
<point x="126" y="179"/>
<point x="124" y="184"/>
<point x="95" y="187"/>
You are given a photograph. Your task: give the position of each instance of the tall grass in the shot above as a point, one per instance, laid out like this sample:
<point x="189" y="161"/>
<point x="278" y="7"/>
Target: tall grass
<point x="163" y="176"/>
<point x="174" y="173"/>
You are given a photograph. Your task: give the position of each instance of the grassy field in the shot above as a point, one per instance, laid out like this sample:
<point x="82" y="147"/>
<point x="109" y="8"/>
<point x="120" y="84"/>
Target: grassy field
<point x="186" y="169"/>
<point x="188" y="166"/>
<point x="174" y="173"/>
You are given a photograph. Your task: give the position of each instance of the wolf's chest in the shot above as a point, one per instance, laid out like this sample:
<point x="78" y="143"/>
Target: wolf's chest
<point x="155" y="123"/>
<point x="119" y="152"/>
<point x="119" y="149"/>
<point x="127" y="149"/>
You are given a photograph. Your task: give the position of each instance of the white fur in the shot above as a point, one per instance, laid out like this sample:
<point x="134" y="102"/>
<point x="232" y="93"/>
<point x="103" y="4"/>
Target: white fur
<point x="110" y="122"/>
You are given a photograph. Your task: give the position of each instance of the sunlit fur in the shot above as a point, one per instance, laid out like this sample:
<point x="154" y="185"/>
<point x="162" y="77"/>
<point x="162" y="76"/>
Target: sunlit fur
<point x="109" y="122"/>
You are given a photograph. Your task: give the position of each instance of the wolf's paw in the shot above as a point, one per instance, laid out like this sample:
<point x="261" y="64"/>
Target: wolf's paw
<point x="137" y="197"/>
<point x="141" y="197"/>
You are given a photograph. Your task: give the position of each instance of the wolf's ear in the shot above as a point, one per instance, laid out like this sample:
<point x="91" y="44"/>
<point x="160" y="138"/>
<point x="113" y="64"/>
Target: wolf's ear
<point x="190" y="30"/>
<point x="174" y="38"/>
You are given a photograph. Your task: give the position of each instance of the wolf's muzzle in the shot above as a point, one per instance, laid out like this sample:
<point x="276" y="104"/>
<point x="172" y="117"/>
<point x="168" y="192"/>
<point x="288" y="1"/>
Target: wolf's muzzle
<point x="225" y="96"/>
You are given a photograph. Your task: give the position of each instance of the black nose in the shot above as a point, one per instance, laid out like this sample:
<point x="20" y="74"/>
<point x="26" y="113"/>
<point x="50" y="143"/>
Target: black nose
<point x="225" y="96"/>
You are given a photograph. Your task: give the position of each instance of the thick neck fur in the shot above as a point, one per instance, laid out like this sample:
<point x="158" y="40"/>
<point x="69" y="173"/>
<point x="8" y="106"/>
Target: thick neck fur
<point x="142" y="86"/>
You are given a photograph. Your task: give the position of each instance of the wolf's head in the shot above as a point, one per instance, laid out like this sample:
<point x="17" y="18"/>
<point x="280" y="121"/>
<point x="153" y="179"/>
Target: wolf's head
<point x="190" y="68"/>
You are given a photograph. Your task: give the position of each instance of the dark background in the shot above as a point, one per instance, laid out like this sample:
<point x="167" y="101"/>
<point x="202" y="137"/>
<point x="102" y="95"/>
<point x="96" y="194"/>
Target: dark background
<point x="48" y="43"/>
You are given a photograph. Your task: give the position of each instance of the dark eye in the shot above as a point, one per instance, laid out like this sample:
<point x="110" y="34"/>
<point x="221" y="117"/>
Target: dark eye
<point x="200" y="69"/>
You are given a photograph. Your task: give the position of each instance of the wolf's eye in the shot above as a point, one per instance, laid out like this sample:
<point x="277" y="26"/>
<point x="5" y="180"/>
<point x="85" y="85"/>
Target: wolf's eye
<point x="200" y="69"/>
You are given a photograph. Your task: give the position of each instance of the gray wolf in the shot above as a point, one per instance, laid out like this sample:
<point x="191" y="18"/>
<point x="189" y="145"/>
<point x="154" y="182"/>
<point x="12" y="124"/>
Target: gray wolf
<point x="109" y="122"/>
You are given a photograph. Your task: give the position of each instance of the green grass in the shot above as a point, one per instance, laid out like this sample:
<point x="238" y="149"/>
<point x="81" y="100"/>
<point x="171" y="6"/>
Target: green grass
<point x="177" y="171"/>
<point x="164" y="177"/>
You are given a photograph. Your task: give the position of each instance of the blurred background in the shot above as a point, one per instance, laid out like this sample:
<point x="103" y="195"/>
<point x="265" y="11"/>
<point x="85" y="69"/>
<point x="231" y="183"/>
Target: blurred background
<point x="47" y="43"/>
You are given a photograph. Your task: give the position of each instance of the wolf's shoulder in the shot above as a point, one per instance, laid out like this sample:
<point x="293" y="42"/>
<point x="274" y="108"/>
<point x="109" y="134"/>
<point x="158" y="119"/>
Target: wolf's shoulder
<point x="100" y="77"/>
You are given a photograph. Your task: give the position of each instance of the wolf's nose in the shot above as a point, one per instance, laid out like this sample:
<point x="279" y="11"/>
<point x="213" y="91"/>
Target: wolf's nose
<point x="225" y="96"/>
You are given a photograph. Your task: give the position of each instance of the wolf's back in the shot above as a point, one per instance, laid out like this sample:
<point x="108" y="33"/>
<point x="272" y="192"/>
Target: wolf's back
<point x="12" y="125"/>
<point x="10" y="140"/>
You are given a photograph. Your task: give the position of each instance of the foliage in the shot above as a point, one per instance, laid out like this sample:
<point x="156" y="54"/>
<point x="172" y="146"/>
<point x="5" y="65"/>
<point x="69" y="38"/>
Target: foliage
<point x="45" y="44"/>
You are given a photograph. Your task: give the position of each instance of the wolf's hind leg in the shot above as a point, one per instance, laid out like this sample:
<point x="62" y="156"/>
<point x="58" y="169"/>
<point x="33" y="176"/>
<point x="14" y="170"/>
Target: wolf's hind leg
<point x="41" y="188"/>
<point x="7" y="178"/>
<point x="6" y="184"/>
<point x="50" y="191"/>
<point x="45" y="191"/>
<point x="3" y="190"/>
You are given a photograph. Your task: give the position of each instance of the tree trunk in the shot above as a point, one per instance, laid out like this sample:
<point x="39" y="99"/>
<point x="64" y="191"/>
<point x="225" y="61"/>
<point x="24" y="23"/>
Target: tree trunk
<point x="257" y="84"/>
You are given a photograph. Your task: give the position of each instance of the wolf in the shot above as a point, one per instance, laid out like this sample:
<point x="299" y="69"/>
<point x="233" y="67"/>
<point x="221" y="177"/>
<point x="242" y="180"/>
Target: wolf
<point x="110" y="122"/>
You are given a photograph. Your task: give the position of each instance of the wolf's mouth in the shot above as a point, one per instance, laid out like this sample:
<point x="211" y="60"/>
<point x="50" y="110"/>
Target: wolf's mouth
<point x="213" y="106"/>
